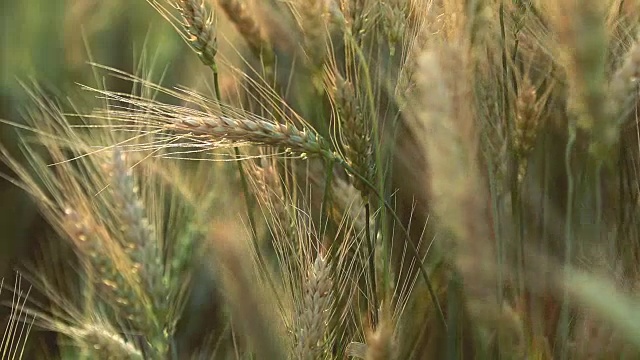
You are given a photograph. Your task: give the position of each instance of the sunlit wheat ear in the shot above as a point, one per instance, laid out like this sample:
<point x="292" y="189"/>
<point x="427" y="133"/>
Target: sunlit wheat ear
<point x="199" y="24"/>
<point x="195" y="24"/>
<point x="358" y="17"/>
<point x="265" y="180"/>
<point x="314" y="312"/>
<point x="66" y="196"/>
<point x="91" y="334"/>
<point x="258" y="132"/>
<point x="348" y="202"/>
<point x="94" y="337"/>
<point x="105" y="344"/>
<point x="275" y="203"/>
<point x="346" y="206"/>
<point x="299" y="260"/>
<point x="210" y="131"/>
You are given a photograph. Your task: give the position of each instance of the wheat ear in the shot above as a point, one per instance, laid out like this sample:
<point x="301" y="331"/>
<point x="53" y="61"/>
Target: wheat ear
<point x="219" y="130"/>
<point x="140" y="239"/>
<point x="313" y="316"/>
<point x="105" y="261"/>
<point x="104" y="344"/>
<point x="199" y="25"/>
<point x="142" y="246"/>
<point x="355" y="134"/>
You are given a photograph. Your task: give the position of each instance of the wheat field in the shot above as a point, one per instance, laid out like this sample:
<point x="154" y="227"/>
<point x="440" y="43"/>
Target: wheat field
<point x="336" y="179"/>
